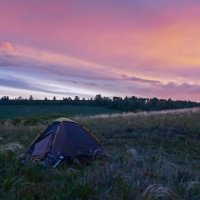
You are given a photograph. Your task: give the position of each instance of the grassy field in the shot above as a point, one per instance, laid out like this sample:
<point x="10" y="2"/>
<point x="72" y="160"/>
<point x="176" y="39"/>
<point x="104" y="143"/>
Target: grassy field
<point x="45" y="111"/>
<point x="149" y="156"/>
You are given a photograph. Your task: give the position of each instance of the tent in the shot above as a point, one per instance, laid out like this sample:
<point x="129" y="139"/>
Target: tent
<point x="63" y="139"/>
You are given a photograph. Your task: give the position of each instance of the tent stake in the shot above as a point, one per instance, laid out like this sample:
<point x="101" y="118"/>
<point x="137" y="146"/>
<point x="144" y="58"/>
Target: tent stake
<point x="58" y="162"/>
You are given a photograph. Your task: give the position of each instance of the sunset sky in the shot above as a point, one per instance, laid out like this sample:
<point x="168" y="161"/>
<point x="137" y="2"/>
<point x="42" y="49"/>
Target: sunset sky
<point x="144" y="48"/>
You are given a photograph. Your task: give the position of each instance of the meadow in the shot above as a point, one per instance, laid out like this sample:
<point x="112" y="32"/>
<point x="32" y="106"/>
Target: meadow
<point x="49" y="111"/>
<point x="150" y="156"/>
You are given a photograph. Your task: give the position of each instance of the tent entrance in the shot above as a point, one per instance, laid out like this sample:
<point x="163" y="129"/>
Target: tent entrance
<point x="42" y="147"/>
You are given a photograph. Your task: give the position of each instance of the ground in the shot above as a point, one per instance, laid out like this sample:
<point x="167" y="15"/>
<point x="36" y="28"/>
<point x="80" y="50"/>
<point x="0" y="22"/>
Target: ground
<point x="152" y="155"/>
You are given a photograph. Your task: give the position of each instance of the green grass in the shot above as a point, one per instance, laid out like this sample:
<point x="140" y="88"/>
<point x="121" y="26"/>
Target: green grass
<point x="45" y="111"/>
<point x="149" y="156"/>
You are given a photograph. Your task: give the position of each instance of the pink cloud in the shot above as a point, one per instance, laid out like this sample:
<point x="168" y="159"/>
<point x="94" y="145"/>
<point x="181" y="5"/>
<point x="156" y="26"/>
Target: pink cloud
<point x="7" y="48"/>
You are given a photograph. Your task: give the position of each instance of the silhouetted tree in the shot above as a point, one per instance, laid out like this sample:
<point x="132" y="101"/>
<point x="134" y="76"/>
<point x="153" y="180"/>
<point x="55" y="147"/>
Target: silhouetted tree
<point x="30" y="98"/>
<point x="98" y="99"/>
<point x="127" y="104"/>
<point x="76" y="98"/>
<point x="5" y="98"/>
<point x="20" y="98"/>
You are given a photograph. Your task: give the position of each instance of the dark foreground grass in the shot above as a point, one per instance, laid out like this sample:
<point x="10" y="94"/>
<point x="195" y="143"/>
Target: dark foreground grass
<point x="153" y="156"/>
<point x="46" y="111"/>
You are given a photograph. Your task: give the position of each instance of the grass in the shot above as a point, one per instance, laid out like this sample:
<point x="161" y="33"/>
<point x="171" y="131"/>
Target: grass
<point x="149" y="156"/>
<point x="46" y="111"/>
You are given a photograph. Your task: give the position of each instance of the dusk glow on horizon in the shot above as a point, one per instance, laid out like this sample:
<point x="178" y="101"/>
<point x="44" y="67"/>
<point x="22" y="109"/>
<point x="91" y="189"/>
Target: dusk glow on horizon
<point x="143" y="48"/>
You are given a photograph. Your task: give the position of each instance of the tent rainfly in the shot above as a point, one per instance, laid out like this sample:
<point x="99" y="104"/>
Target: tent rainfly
<point x="64" y="139"/>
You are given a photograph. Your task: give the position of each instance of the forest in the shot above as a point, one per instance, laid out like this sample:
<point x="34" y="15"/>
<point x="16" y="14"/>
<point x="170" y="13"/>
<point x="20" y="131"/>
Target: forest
<point x="133" y="103"/>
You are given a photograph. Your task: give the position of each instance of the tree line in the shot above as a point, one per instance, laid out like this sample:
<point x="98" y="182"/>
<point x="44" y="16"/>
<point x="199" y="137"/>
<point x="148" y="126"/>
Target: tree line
<point x="124" y="104"/>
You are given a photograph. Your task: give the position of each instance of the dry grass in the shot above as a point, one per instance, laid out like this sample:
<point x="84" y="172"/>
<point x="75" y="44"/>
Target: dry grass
<point x="10" y="148"/>
<point x="141" y="114"/>
<point x="157" y="191"/>
<point x="194" y="184"/>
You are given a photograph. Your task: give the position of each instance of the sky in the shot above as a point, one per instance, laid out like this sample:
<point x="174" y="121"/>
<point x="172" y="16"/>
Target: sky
<point x="62" y="48"/>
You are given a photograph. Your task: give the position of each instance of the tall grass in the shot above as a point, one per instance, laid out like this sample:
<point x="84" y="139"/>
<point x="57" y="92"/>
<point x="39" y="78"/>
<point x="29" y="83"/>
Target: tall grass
<point x="149" y="156"/>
